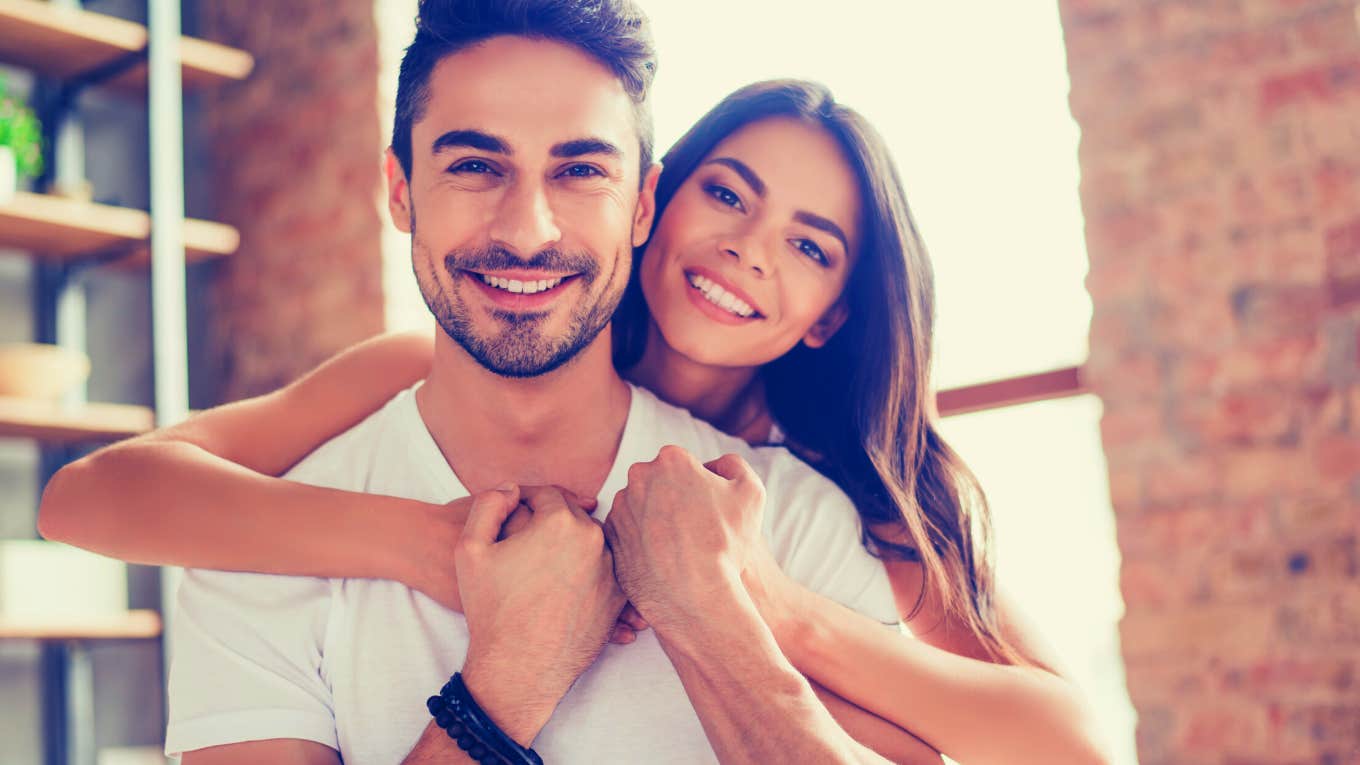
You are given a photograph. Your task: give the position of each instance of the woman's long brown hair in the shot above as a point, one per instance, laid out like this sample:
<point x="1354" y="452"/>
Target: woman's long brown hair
<point x="856" y="409"/>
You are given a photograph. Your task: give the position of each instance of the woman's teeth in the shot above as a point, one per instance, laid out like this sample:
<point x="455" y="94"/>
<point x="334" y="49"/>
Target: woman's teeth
<point x="515" y="285"/>
<point x="721" y="297"/>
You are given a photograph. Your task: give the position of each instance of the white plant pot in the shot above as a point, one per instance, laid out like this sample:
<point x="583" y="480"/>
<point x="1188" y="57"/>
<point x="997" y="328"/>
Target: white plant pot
<point x="9" y="174"/>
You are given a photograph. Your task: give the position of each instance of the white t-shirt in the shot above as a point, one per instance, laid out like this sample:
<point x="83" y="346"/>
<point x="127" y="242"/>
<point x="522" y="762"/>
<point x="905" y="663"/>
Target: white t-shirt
<point x="349" y="662"/>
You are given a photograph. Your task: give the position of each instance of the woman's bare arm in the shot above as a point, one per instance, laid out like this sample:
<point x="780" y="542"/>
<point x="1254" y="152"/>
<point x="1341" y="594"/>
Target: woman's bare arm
<point x="939" y="686"/>
<point x="204" y="493"/>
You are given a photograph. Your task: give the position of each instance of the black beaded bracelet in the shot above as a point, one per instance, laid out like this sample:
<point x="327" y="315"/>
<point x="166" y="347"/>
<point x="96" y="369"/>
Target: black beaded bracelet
<point x="457" y="713"/>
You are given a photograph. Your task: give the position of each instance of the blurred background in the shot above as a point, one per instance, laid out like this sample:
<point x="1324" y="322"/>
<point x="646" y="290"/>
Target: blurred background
<point x="1144" y="217"/>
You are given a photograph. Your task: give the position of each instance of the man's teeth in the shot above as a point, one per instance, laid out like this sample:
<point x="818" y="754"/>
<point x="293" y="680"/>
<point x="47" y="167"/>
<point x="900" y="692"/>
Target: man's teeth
<point x="721" y="297"/>
<point x="515" y="285"/>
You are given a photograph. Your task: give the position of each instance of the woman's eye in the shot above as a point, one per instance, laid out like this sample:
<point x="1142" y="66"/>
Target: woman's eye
<point x="810" y="249"/>
<point x="724" y="195"/>
<point x="582" y="171"/>
<point x="476" y="166"/>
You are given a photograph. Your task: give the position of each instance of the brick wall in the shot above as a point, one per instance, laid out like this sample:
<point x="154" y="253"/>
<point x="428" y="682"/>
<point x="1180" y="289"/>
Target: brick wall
<point x="296" y="153"/>
<point x="1220" y="159"/>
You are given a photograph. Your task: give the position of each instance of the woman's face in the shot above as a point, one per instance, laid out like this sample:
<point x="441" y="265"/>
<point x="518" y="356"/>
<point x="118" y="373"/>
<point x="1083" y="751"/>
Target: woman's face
<point x="753" y="251"/>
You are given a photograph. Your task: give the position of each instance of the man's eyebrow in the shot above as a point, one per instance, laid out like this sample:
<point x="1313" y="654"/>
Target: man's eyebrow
<point x="472" y="139"/>
<point x="746" y="173"/>
<point x="584" y="146"/>
<point x="824" y="224"/>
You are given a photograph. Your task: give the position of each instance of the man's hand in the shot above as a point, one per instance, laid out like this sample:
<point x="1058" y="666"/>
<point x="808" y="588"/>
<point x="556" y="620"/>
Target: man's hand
<point x="630" y="622"/>
<point x="681" y="531"/>
<point x="540" y="604"/>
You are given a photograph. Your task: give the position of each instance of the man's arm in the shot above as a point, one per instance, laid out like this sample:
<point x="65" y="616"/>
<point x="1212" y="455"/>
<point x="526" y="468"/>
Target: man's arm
<point x="540" y="605"/>
<point x="681" y="534"/>
<point x="754" y="706"/>
<point x="279" y="751"/>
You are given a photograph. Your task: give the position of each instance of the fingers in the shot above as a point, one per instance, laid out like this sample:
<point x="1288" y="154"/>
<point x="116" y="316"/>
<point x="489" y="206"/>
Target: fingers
<point x="585" y="503"/>
<point x="488" y="514"/>
<point x="545" y="500"/>
<point x="622" y="634"/>
<point x="733" y="468"/>
<point x="632" y="618"/>
<point x="519" y="518"/>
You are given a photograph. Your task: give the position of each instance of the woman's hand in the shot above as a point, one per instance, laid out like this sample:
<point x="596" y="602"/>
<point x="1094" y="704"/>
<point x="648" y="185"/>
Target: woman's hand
<point x="428" y="556"/>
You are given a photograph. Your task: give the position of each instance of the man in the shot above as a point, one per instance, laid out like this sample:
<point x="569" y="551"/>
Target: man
<point x="522" y="153"/>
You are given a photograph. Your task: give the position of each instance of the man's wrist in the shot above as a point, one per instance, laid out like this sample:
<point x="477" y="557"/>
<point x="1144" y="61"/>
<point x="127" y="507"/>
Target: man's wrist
<point x="518" y="706"/>
<point x="690" y="621"/>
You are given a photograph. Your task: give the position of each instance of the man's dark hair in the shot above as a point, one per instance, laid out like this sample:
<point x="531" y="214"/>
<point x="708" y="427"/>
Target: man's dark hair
<point x="614" y="32"/>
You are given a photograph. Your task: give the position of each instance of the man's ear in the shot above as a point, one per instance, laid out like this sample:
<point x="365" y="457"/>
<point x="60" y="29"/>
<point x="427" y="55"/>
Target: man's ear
<point x="646" y="206"/>
<point x="398" y="193"/>
<point x="828" y="325"/>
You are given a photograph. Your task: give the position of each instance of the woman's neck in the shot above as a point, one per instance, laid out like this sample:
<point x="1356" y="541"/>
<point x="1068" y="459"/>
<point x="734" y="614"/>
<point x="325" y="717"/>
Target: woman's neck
<point x="731" y="399"/>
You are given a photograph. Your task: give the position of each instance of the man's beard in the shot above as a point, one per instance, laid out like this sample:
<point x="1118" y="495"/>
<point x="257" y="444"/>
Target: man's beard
<point x="521" y="348"/>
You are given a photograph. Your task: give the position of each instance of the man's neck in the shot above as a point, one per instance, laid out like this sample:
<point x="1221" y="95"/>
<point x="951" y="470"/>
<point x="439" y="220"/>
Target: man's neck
<point x="559" y="428"/>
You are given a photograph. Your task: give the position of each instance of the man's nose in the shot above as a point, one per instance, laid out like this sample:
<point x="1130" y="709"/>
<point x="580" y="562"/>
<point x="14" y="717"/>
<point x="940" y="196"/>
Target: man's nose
<point x="525" y="222"/>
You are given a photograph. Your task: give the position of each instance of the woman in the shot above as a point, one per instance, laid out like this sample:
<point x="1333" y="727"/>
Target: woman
<point x="784" y="295"/>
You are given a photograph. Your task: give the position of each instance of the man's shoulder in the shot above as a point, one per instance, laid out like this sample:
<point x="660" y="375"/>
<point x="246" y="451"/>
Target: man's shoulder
<point x="785" y="476"/>
<point x="670" y="424"/>
<point x="347" y="460"/>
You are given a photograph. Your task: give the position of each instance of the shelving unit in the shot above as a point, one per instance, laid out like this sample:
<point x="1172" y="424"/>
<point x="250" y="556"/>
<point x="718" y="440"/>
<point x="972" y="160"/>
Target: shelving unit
<point x="74" y="50"/>
<point x="66" y="229"/>
<point x="53" y="423"/>
<point x="132" y="625"/>
<point x="70" y="44"/>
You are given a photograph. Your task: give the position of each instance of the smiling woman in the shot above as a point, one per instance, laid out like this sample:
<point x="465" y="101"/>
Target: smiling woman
<point x="754" y="241"/>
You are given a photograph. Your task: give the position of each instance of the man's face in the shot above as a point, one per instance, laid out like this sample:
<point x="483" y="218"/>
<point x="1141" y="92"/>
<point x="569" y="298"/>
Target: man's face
<point x="523" y="201"/>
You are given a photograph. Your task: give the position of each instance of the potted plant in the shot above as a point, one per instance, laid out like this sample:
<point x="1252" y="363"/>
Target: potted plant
<point x="20" y="143"/>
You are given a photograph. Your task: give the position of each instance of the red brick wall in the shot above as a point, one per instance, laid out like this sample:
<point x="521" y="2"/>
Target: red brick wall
<point x="1220" y="159"/>
<point x="297" y="154"/>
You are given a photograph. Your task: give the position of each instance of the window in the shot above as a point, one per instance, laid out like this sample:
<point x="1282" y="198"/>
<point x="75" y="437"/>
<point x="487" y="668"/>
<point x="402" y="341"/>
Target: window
<point x="976" y="116"/>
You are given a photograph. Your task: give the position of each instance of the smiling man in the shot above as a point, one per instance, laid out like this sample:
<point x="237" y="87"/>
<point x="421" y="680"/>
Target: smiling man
<point x="521" y="165"/>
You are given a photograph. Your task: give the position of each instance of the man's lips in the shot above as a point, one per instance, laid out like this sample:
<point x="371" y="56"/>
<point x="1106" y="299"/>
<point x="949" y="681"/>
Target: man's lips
<point x="520" y="289"/>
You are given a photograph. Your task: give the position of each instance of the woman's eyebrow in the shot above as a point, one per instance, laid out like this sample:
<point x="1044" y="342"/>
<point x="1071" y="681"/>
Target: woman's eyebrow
<point x="823" y="224"/>
<point x="746" y="173"/>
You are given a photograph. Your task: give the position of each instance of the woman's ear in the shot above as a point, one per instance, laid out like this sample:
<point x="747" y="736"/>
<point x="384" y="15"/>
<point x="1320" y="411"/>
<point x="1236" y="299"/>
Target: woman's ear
<point x="827" y="326"/>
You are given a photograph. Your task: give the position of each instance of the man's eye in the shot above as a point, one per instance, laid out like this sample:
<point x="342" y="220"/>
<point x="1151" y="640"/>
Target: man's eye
<point x="472" y="166"/>
<point x="724" y="195"/>
<point x="583" y="171"/>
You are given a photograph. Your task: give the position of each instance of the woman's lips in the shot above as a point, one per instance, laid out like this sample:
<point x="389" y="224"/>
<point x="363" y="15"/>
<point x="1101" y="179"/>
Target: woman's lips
<point x="718" y="299"/>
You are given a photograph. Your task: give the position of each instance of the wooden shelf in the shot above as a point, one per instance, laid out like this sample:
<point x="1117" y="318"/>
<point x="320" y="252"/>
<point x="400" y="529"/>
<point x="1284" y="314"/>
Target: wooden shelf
<point x="132" y="625"/>
<point x="56" y="227"/>
<point x="54" y="423"/>
<point x="67" y="42"/>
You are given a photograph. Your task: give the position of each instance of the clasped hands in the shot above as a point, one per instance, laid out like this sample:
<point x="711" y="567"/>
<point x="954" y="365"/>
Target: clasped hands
<point x="543" y="589"/>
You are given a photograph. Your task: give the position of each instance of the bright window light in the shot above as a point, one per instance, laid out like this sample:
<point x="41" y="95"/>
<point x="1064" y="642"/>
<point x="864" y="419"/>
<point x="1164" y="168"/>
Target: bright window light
<point x="976" y="116"/>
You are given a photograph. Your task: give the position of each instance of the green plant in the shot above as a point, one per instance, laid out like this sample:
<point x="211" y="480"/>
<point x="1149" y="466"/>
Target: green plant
<point x="20" y="131"/>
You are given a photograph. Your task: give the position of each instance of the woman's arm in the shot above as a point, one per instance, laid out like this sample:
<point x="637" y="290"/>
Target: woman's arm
<point x="876" y="733"/>
<point x="203" y="493"/>
<point x="939" y="686"/>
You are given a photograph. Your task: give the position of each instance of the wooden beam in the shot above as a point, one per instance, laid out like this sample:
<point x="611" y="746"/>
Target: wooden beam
<point x="1026" y="389"/>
